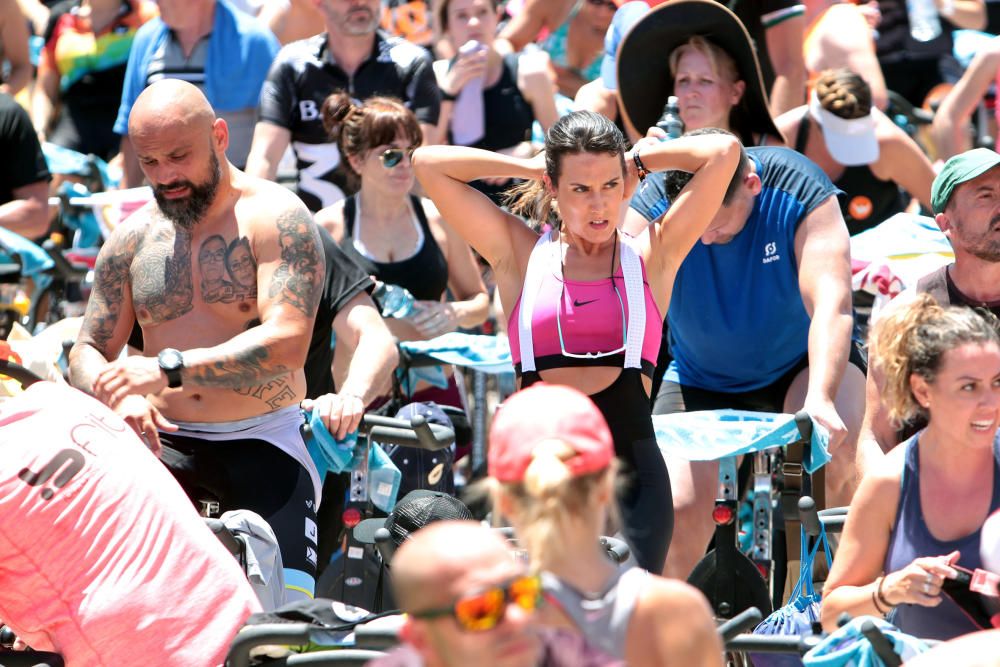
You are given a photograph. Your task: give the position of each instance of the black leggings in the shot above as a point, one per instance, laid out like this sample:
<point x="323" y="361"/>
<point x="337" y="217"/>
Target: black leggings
<point x="643" y="486"/>
<point x="252" y="475"/>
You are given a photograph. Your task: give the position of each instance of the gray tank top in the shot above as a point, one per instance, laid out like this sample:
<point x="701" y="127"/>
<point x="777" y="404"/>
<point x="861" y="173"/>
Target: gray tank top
<point x="602" y="619"/>
<point x="911" y="539"/>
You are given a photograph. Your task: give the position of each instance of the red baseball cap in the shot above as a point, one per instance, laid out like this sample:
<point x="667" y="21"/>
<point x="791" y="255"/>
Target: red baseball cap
<point x="545" y="412"/>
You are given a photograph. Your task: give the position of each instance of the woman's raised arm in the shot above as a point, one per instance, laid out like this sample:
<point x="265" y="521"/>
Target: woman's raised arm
<point x="713" y="159"/>
<point x="445" y="172"/>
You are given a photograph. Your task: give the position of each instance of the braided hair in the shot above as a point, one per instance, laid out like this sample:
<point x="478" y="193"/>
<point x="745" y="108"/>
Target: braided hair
<point x="844" y="93"/>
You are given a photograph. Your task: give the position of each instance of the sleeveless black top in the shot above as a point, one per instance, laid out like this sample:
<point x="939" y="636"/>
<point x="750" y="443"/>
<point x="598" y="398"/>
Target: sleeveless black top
<point x="865" y="200"/>
<point x="509" y="118"/>
<point x="424" y="274"/>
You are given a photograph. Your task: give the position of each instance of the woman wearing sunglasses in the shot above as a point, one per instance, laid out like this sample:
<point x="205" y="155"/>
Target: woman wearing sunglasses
<point x="515" y="90"/>
<point x="552" y="469"/>
<point x="585" y="301"/>
<point x="467" y="602"/>
<point x="397" y="237"/>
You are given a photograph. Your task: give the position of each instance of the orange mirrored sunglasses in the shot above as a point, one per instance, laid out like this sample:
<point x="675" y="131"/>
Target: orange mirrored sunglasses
<point x="483" y="610"/>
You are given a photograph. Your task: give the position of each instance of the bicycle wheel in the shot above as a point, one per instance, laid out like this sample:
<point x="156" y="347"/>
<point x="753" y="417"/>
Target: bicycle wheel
<point x="748" y="586"/>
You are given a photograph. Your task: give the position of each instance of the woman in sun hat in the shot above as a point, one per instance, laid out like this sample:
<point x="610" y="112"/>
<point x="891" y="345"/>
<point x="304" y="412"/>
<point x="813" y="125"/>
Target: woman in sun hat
<point x="552" y="467"/>
<point x="921" y="512"/>
<point x="864" y="153"/>
<point x="701" y="52"/>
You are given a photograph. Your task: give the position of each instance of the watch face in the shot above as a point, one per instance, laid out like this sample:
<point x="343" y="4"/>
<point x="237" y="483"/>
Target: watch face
<point x="171" y="359"/>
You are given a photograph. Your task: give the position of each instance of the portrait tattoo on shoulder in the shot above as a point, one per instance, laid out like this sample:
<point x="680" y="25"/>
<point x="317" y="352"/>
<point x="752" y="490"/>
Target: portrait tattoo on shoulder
<point x="228" y="270"/>
<point x="298" y="279"/>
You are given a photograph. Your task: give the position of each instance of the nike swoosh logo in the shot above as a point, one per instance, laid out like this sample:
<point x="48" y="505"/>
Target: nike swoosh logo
<point x="583" y="303"/>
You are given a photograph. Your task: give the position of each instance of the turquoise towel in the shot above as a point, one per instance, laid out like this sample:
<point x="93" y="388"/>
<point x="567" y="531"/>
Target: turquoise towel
<point x="847" y="647"/>
<point x="488" y="354"/>
<point x="32" y="257"/>
<point x="710" y="435"/>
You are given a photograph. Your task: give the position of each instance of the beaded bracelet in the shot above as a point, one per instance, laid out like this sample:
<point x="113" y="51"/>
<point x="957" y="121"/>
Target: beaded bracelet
<point x="640" y="167"/>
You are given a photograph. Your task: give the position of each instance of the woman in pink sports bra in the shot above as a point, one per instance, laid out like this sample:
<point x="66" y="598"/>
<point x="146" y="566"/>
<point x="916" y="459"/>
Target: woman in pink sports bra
<point x="586" y="301"/>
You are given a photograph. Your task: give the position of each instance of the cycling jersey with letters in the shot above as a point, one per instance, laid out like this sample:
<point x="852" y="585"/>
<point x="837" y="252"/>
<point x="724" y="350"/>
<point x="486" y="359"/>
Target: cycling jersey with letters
<point x="304" y="74"/>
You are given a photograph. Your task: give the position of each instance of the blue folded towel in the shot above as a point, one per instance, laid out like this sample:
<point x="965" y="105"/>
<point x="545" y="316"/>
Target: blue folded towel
<point x="33" y="258"/>
<point x="709" y="435"/>
<point x="488" y="354"/>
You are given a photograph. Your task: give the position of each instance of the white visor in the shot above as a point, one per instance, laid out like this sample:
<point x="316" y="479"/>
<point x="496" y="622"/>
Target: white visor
<point x="849" y="142"/>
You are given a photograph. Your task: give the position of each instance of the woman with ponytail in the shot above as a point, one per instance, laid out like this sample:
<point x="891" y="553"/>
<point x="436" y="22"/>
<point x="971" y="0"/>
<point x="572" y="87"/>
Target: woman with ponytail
<point x="863" y="152"/>
<point x="585" y="301"/>
<point x="398" y="238"/>
<point x="921" y="512"/>
<point x="552" y="470"/>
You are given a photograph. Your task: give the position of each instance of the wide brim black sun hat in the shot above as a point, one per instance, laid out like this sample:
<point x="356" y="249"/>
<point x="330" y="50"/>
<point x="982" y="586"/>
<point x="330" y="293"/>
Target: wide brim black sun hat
<point x="644" y="80"/>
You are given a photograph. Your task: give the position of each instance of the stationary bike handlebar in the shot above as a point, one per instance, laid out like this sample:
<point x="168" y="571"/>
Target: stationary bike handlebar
<point x="18" y="372"/>
<point x="415" y="432"/>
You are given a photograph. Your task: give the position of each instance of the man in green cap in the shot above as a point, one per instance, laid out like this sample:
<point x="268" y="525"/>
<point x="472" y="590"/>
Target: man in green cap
<point x="965" y="197"/>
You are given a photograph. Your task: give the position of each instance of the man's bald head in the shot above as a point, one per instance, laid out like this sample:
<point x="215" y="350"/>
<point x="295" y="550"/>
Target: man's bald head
<point x="170" y="104"/>
<point x="447" y="558"/>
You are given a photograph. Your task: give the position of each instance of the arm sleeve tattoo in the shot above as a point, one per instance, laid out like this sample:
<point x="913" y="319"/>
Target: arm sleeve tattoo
<point x="298" y="280"/>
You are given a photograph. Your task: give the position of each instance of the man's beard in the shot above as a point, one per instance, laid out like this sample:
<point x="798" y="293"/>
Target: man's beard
<point x="352" y="26"/>
<point x="187" y="211"/>
<point x="986" y="246"/>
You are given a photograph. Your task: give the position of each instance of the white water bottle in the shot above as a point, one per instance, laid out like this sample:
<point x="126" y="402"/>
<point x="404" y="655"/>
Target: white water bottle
<point x="468" y="119"/>
<point x="925" y="24"/>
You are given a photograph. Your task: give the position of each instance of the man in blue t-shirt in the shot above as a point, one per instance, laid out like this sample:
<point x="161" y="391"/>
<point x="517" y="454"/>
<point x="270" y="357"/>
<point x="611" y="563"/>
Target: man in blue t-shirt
<point x="760" y="319"/>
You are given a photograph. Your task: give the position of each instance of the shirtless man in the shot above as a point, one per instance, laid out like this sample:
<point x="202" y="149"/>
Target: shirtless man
<point x="220" y="402"/>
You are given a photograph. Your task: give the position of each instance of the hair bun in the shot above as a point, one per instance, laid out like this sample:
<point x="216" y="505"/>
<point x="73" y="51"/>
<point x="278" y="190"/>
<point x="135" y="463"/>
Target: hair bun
<point x="336" y="109"/>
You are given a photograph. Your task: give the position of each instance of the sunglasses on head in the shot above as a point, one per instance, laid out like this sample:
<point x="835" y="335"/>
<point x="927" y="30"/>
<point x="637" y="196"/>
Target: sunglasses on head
<point x="483" y="610"/>
<point x="394" y="156"/>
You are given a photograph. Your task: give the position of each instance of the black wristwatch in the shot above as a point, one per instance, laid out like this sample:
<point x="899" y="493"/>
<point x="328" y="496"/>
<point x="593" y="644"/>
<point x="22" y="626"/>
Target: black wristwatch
<point x="171" y="363"/>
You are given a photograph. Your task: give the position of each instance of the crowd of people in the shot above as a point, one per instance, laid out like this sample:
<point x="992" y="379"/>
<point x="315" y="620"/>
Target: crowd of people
<point x="512" y="163"/>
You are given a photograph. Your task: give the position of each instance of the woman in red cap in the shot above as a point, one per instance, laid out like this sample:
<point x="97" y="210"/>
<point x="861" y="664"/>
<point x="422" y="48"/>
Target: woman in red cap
<point x="586" y="302"/>
<point x="551" y="463"/>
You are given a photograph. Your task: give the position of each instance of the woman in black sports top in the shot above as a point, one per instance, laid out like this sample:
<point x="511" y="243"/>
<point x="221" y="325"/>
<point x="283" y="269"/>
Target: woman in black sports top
<point x="399" y="238"/>
<point x="863" y="152"/>
<point x="517" y="88"/>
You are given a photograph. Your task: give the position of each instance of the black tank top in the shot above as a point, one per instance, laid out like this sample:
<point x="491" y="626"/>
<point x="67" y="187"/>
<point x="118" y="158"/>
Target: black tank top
<point x="509" y="116"/>
<point x="865" y="200"/>
<point x="424" y="274"/>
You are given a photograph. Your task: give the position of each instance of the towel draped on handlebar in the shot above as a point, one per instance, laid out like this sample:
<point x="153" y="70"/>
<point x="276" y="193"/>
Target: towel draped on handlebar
<point x="709" y="435"/>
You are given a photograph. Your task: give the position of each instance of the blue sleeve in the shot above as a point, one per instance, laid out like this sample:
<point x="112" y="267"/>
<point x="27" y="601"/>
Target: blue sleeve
<point x="650" y="199"/>
<point x="135" y="73"/>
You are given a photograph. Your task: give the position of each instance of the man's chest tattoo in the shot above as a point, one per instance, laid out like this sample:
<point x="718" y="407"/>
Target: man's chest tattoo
<point x="228" y="270"/>
<point x="162" y="287"/>
<point x="163" y="274"/>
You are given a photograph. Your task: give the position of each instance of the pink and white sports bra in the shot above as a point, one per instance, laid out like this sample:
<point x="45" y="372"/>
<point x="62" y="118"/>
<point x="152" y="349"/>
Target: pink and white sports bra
<point x="595" y="316"/>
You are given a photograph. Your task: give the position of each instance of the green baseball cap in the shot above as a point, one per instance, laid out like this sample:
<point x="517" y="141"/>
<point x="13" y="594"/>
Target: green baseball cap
<point x="959" y="169"/>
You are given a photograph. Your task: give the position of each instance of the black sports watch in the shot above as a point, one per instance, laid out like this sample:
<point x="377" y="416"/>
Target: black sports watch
<point x="171" y="363"/>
